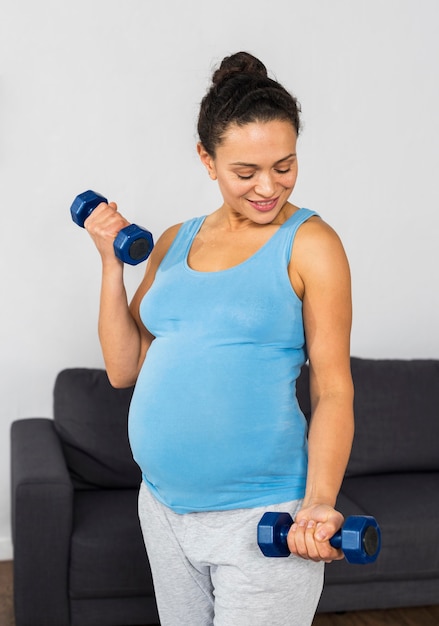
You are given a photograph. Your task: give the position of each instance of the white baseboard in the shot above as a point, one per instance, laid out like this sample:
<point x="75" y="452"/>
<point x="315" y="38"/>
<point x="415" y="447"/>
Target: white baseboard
<point x="6" y="551"/>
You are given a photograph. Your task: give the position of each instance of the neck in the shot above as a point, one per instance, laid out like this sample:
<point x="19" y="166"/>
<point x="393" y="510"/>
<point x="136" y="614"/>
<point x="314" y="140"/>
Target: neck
<point x="228" y="219"/>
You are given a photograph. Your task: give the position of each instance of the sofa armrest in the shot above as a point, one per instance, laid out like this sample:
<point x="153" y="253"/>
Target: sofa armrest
<point x="42" y="511"/>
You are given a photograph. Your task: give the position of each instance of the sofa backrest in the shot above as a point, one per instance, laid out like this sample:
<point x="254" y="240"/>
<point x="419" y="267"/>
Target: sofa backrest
<point x="396" y="416"/>
<point x="91" y="419"/>
<point x="396" y="410"/>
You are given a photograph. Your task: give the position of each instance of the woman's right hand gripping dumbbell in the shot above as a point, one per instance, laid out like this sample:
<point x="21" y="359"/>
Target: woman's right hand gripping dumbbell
<point x="130" y="243"/>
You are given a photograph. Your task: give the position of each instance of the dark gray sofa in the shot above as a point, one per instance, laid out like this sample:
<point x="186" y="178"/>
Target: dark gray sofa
<point x="78" y="552"/>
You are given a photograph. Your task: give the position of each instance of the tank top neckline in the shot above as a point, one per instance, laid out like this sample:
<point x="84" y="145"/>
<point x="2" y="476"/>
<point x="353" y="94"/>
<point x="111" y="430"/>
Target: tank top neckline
<point x="200" y="221"/>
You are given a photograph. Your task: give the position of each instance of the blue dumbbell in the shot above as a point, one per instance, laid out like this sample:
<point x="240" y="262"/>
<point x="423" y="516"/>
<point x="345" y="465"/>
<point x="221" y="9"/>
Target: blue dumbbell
<point x="359" y="537"/>
<point x="132" y="244"/>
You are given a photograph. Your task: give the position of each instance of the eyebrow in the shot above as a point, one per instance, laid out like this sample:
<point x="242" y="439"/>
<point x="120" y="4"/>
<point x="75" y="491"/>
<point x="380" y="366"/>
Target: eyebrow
<point x="242" y="164"/>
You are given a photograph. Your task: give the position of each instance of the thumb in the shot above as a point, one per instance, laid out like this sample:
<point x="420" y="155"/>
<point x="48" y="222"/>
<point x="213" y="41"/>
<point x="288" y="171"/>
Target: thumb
<point x="326" y="530"/>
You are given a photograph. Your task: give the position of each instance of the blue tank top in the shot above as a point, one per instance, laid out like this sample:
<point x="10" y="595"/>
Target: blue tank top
<point x="214" y="422"/>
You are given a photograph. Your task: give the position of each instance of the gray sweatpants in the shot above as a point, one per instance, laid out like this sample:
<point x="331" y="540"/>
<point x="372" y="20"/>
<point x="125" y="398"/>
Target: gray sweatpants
<point x="208" y="569"/>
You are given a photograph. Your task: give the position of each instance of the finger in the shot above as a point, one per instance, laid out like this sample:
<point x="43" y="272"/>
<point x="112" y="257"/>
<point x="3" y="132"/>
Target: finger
<point x="105" y="220"/>
<point x="103" y="209"/>
<point x="311" y="544"/>
<point x="296" y="538"/>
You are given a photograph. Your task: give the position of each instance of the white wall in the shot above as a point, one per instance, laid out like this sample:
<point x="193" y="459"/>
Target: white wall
<point x="105" y="93"/>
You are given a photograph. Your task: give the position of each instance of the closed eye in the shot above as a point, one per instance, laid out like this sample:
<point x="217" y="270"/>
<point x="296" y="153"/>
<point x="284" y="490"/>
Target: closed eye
<point x="278" y="171"/>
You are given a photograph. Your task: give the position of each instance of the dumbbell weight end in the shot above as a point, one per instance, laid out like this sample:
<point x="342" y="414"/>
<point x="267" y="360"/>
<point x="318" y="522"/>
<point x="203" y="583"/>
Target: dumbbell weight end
<point x="84" y="204"/>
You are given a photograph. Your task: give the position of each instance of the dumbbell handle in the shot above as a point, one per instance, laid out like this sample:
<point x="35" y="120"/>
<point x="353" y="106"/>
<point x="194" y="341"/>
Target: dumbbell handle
<point x="359" y="537"/>
<point x="132" y="245"/>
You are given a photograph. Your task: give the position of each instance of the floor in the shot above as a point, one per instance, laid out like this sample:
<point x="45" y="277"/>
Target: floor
<point x="424" y="616"/>
<point x="6" y="609"/>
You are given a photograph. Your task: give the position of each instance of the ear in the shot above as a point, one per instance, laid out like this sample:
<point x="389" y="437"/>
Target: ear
<point x="206" y="160"/>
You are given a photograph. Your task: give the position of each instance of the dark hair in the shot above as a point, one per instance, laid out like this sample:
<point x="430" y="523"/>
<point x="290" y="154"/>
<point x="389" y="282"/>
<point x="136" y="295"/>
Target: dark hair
<point x="241" y="92"/>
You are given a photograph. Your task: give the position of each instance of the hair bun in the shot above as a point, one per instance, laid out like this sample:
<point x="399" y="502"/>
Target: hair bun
<point x="239" y="63"/>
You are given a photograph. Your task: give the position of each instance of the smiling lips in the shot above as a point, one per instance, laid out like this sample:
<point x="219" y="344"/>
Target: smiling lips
<point x="264" y="206"/>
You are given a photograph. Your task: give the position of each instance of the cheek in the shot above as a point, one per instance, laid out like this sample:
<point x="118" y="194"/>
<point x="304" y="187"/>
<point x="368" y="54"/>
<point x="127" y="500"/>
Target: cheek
<point x="290" y="180"/>
<point x="234" y="188"/>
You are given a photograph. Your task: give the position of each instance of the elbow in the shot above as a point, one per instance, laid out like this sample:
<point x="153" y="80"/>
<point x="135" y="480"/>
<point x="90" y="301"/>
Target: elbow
<point x="116" y="384"/>
<point x="119" y="380"/>
<point x="123" y="372"/>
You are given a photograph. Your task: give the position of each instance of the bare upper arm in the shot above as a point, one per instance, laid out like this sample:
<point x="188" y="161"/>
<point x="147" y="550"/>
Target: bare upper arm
<point x="320" y="275"/>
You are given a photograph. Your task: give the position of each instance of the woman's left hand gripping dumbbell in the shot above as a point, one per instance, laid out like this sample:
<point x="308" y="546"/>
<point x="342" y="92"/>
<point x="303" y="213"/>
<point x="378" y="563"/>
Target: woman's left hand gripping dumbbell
<point x="312" y="529"/>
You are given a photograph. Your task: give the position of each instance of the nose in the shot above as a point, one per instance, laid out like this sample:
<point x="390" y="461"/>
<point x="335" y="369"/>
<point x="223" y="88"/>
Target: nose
<point x="265" y="185"/>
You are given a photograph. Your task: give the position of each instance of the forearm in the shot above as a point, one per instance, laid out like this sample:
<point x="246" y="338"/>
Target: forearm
<point x="329" y="445"/>
<point x="119" y="333"/>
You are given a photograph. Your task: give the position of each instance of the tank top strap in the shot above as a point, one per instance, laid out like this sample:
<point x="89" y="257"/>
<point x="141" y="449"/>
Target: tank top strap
<point x="288" y="230"/>
<point x="179" y="248"/>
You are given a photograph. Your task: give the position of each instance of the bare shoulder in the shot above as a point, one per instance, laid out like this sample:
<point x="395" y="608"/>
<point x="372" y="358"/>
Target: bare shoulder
<point x="318" y="256"/>
<point x="316" y="230"/>
<point x="316" y="240"/>
<point x="161" y="247"/>
<point x="165" y="240"/>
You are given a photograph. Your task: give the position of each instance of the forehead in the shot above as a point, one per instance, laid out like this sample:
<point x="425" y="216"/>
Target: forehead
<point x="275" y="138"/>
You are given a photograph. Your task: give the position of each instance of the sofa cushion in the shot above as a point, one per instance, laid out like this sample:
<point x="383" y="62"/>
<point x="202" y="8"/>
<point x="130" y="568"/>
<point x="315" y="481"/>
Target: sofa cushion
<point x="396" y="416"/>
<point x="107" y="556"/>
<point x="406" y="508"/>
<point x="91" y="420"/>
